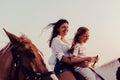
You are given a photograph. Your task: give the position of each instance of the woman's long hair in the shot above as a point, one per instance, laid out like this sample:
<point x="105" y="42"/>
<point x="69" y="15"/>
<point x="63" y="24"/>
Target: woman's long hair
<point x="55" y="26"/>
<point x="80" y="32"/>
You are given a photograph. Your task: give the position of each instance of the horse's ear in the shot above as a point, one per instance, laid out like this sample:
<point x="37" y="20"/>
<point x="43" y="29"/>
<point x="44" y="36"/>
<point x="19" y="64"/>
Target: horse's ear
<point x="13" y="38"/>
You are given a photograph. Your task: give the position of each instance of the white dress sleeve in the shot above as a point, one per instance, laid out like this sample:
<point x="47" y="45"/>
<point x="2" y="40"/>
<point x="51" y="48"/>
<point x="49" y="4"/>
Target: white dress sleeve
<point x="57" y="48"/>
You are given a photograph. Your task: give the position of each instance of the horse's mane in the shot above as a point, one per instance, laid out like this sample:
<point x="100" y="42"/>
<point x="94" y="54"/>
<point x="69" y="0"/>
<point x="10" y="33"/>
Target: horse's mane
<point x="24" y="38"/>
<point x="109" y="63"/>
<point x="5" y="60"/>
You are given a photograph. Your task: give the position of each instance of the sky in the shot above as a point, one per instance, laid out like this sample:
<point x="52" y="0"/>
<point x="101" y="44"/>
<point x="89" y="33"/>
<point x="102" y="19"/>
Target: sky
<point x="29" y="17"/>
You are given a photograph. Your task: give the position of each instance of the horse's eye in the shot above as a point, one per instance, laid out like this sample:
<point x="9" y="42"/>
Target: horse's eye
<point x="30" y="55"/>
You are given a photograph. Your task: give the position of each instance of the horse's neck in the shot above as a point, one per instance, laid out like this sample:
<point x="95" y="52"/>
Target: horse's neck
<point x="5" y="61"/>
<point x="108" y="71"/>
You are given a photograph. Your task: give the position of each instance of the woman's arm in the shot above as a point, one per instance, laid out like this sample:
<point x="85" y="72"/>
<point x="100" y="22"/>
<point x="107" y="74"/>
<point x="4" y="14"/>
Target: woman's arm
<point x="57" y="48"/>
<point x="66" y="60"/>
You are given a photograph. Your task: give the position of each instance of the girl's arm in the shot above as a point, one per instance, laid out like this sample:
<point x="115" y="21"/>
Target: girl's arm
<point x="75" y="59"/>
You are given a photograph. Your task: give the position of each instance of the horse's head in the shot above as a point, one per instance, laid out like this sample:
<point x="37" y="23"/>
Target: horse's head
<point x="109" y="70"/>
<point x="28" y="63"/>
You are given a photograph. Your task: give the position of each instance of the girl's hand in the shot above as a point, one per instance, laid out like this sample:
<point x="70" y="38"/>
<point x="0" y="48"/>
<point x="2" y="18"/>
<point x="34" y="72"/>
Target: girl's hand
<point x="90" y="59"/>
<point x="95" y="61"/>
<point x="96" y="58"/>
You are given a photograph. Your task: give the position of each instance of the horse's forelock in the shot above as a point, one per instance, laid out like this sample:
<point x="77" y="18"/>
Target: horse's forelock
<point x="24" y="38"/>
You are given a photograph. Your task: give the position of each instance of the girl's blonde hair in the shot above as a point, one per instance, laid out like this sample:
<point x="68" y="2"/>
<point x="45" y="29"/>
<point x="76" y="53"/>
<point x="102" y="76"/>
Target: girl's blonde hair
<point x="80" y="32"/>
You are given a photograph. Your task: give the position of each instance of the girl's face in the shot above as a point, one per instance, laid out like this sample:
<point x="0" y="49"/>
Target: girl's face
<point x="83" y="38"/>
<point x="63" y="29"/>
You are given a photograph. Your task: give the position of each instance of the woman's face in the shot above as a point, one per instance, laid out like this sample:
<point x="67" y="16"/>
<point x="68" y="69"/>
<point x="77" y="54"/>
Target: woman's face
<point x="83" y="38"/>
<point x="63" y="29"/>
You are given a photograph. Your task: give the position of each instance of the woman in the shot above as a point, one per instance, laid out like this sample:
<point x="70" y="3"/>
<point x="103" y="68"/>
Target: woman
<point x="60" y="46"/>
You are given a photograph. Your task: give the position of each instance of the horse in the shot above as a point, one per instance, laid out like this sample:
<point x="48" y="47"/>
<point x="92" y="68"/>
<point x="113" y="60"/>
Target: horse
<point x="109" y="71"/>
<point x="21" y="60"/>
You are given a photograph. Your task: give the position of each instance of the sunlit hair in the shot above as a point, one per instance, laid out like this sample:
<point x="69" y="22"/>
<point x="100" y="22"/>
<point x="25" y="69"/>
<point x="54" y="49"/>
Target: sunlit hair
<point x="80" y="32"/>
<point x="55" y="26"/>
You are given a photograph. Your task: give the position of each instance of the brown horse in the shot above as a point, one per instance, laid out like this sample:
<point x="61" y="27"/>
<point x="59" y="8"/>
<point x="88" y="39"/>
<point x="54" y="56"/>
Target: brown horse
<point x="21" y="60"/>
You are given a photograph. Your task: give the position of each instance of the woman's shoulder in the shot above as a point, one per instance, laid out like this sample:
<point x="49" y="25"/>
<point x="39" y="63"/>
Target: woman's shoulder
<point x="57" y="38"/>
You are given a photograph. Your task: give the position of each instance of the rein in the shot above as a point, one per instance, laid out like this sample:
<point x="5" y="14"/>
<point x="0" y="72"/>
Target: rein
<point x="97" y="74"/>
<point x="34" y="76"/>
<point x="29" y="75"/>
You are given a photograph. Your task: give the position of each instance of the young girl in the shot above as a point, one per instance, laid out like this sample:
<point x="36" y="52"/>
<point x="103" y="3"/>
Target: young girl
<point x="78" y="50"/>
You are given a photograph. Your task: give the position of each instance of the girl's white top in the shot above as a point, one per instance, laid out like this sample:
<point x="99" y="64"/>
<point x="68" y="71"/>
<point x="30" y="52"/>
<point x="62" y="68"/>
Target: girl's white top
<point x="79" y="50"/>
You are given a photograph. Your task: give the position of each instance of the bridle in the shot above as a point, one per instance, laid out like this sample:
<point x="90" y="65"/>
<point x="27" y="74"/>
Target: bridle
<point x="17" y="65"/>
